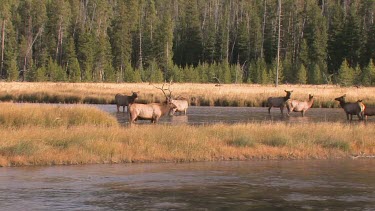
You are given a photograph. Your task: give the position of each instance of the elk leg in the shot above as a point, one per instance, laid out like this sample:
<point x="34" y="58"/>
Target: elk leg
<point x="359" y="117"/>
<point x="269" y="110"/>
<point x="118" y="108"/>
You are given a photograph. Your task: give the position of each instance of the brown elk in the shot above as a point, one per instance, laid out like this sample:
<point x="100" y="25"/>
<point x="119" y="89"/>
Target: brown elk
<point x="299" y="106"/>
<point x="351" y="109"/>
<point x="369" y="111"/>
<point x="124" y="100"/>
<point x="151" y="111"/>
<point x="278" y="101"/>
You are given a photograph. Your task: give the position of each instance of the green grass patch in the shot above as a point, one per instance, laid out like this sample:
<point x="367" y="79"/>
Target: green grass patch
<point x="242" y="141"/>
<point x="276" y="141"/>
<point x="331" y="143"/>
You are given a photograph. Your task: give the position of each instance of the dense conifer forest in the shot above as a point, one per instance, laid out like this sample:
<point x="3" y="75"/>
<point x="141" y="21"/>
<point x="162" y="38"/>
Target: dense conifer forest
<point x="215" y="41"/>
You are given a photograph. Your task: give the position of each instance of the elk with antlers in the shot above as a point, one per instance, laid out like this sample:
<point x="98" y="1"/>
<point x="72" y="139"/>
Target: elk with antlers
<point x="151" y="111"/>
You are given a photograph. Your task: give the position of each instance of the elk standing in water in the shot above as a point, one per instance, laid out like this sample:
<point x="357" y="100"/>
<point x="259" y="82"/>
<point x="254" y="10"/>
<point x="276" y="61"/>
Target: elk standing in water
<point x="298" y="106"/>
<point x="369" y="111"/>
<point x="124" y="100"/>
<point x="278" y="102"/>
<point x="151" y="111"/>
<point x="181" y="103"/>
<point x="351" y="109"/>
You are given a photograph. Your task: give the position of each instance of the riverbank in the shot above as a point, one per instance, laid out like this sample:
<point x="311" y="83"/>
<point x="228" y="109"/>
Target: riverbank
<point x="86" y="135"/>
<point x="242" y="95"/>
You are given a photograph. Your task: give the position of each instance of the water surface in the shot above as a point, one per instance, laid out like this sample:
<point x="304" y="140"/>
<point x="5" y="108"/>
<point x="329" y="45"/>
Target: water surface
<point x="237" y="185"/>
<point x="211" y="115"/>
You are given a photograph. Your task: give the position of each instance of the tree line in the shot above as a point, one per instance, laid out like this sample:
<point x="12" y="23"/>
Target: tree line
<point x="219" y="41"/>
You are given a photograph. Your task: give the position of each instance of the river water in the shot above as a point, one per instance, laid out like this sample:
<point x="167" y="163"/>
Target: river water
<point x="232" y="185"/>
<point x="211" y="115"/>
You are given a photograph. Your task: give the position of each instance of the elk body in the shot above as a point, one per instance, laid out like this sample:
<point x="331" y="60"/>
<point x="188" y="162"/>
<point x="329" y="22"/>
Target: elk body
<point x="369" y="111"/>
<point x="300" y="106"/>
<point x="278" y="102"/>
<point x="351" y="109"/>
<point x="124" y="100"/>
<point x="181" y="106"/>
<point x="151" y="111"/>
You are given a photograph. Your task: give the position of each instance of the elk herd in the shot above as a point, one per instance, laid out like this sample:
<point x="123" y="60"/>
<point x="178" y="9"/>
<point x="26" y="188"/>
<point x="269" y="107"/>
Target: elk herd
<point x="154" y="111"/>
<point x="151" y="111"/>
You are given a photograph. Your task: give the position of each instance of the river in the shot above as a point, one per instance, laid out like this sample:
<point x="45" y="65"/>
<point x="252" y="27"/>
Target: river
<point x="212" y="115"/>
<point x="230" y="185"/>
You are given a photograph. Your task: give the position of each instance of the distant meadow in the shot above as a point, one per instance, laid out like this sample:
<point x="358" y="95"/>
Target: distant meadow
<point x="237" y="95"/>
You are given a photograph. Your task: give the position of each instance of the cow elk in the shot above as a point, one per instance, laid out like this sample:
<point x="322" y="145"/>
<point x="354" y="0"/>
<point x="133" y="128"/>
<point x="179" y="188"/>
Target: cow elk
<point x="278" y="102"/>
<point x="151" y="111"/>
<point x="181" y="103"/>
<point x="369" y="111"/>
<point x="351" y="109"/>
<point x="125" y="100"/>
<point x="299" y="106"/>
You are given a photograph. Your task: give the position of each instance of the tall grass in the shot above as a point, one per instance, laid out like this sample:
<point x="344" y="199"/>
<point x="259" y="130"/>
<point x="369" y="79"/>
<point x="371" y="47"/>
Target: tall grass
<point x="198" y="94"/>
<point x="29" y="115"/>
<point x="162" y="143"/>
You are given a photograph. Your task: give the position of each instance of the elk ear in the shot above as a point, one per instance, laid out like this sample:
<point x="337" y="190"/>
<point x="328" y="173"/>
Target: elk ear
<point x="344" y="95"/>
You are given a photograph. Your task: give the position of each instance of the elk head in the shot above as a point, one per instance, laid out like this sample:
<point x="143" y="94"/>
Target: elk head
<point x="341" y="99"/>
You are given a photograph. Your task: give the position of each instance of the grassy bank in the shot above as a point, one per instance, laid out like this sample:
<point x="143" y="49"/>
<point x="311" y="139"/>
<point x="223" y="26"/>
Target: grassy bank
<point x="198" y="94"/>
<point x="96" y="139"/>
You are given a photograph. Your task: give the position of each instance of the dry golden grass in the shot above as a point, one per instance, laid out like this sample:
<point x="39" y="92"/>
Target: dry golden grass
<point x="199" y="94"/>
<point x="27" y="115"/>
<point x="163" y="143"/>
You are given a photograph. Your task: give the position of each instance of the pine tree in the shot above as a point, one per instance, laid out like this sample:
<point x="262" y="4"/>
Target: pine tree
<point x="315" y="74"/>
<point x="368" y="76"/>
<point x="345" y="77"/>
<point x="335" y="43"/>
<point x="209" y="37"/>
<point x="352" y="37"/>
<point x="121" y="39"/>
<point x="10" y="67"/>
<point x="357" y="74"/>
<point x="129" y="73"/>
<point x="85" y="54"/>
<point x="74" y="71"/>
<point x="302" y="75"/>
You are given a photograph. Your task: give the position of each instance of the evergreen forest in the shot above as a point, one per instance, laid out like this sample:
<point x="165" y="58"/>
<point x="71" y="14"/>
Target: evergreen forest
<point x="198" y="41"/>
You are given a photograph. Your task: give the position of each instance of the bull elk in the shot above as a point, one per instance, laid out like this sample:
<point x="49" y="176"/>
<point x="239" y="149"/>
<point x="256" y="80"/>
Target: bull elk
<point x="150" y="111"/>
<point x="278" y="102"/>
<point x="351" y="109"/>
<point x="300" y="106"/>
<point x="125" y="100"/>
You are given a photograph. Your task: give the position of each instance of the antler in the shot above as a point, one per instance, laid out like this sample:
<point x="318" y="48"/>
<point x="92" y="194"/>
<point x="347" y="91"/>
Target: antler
<point x="162" y="89"/>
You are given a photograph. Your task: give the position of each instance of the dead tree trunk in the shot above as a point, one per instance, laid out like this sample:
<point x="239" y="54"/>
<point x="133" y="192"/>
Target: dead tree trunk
<point x="278" y="46"/>
<point x="2" y="48"/>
